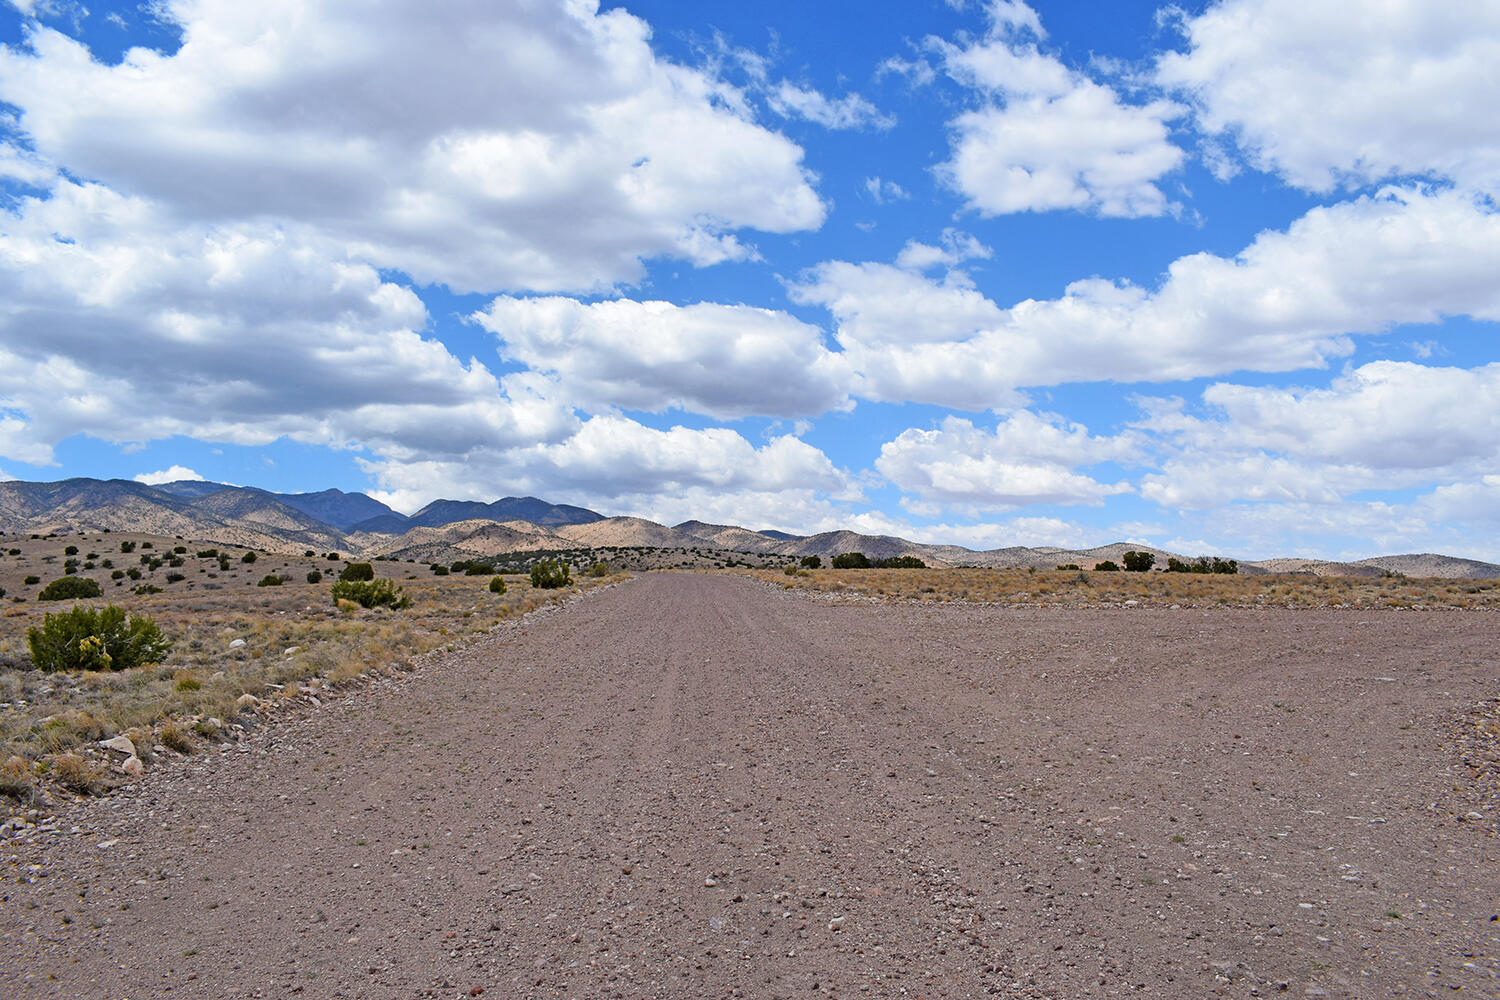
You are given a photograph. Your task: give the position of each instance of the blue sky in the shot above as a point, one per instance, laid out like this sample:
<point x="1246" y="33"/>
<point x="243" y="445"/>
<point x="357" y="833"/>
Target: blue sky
<point x="1218" y="277"/>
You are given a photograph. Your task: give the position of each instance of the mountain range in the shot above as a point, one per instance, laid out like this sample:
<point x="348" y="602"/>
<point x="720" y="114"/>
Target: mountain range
<point x="447" y="529"/>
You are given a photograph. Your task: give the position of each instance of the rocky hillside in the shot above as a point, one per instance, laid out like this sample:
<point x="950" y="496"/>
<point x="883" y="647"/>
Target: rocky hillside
<point x="449" y="530"/>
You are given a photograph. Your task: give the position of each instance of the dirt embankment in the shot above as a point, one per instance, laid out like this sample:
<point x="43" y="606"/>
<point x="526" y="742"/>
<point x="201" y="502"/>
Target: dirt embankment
<point x="698" y="786"/>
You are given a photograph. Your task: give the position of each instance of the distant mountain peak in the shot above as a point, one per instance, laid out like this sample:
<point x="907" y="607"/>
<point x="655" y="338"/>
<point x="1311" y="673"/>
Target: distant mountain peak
<point x="241" y="515"/>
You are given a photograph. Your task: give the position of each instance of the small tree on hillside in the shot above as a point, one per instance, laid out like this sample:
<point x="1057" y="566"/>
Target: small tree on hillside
<point x="549" y="574"/>
<point x="1138" y="562"/>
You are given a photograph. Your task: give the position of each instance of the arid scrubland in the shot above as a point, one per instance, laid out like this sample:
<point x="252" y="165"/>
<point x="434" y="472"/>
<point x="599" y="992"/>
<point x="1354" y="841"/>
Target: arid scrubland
<point x="253" y="631"/>
<point x="241" y="648"/>
<point x="1086" y="588"/>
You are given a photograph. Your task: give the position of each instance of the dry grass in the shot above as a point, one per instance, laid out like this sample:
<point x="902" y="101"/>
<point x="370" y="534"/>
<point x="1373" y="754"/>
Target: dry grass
<point x="1074" y="587"/>
<point x="17" y="778"/>
<point x="296" y="642"/>
<point x="79" y="774"/>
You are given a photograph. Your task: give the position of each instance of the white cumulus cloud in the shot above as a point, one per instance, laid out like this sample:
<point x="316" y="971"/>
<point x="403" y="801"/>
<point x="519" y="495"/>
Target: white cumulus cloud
<point x="618" y="464"/>
<point x="848" y="112"/>
<point x="1332" y="94"/>
<point x="883" y="191"/>
<point x="726" y="361"/>
<point x="1025" y="459"/>
<point x="238" y="334"/>
<point x="175" y="474"/>
<point x="1291" y="299"/>
<point x="538" y="145"/>
<point x="955" y="248"/>
<point x="1386" y="425"/>
<point x="1047" y="137"/>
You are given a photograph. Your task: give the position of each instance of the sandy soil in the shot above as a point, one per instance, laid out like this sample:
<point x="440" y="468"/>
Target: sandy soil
<point x="694" y="786"/>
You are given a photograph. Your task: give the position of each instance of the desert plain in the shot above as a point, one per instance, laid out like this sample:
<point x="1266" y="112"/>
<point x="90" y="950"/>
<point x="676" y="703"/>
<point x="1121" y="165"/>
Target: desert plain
<point x="708" y="784"/>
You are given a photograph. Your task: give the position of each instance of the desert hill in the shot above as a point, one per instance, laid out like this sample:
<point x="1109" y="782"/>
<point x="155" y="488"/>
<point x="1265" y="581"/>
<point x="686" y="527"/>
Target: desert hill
<point x="332" y="507"/>
<point x="529" y="509"/>
<point x="229" y="515"/>
<point x="1427" y="564"/>
<point x="451" y="530"/>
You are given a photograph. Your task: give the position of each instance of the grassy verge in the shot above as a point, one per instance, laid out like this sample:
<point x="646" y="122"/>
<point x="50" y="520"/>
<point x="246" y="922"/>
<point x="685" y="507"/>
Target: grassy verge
<point x="1074" y="587"/>
<point x="237" y="654"/>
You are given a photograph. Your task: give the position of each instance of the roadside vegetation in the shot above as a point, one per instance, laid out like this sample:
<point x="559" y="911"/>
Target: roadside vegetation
<point x="1110" y="586"/>
<point x="174" y="667"/>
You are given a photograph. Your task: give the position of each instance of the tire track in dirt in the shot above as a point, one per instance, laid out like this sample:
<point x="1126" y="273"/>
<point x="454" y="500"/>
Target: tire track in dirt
<point x="699" y="786"/>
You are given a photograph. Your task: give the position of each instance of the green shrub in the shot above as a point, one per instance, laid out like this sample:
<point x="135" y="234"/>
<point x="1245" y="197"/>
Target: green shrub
<point x="899" y="562"/>
<point x="179" y="550"/>
<point x="497" y="585"/>
<point x="308" y="554"/>
<point x="371" y="593"/>
<point x="133" y="572"/>
<point x="269" y="580"/>
<point x="314" y="577"/>
<point x="599" y="569"/>
<point x="812" y="562"/>
<point x="851" y="560"/>
<point x="332" y="557"/>
<point x="32" y="581"/>
<point x="438" y="569"/>
<point x="117" y="574"/>
<point x="479" y="569"/>
<point x="1107" y="566"/>
<point x="208" y="553"/>
<point x="790" y="569"/>
<point x="1068" y="566"/>
<point x="248" y="557"/>
<point x="1137" y="562"/>
<point x="96" y="639"/>
<point x="549" y="574"/>
<point x="175" y="577"/>
<point x="69" y="588"/>
<point x="357" y="572"/>
<point x="147" y="588"/>
<point x="1203" y="564"/>
<point x="71" y="550"/>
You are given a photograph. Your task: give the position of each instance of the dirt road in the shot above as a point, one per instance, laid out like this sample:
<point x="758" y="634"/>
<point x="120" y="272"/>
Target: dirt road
<point x="696" y="786"/>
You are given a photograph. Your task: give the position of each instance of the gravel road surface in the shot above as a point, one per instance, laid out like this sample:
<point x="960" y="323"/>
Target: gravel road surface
<point x="702" y="786"/>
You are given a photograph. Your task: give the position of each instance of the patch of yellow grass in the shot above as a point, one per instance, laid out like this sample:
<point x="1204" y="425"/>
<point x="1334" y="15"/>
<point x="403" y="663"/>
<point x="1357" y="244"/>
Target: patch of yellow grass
<point x="79" y="774"/>
<point x="1082" y="587"/>
<point x="293" y="635"/>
